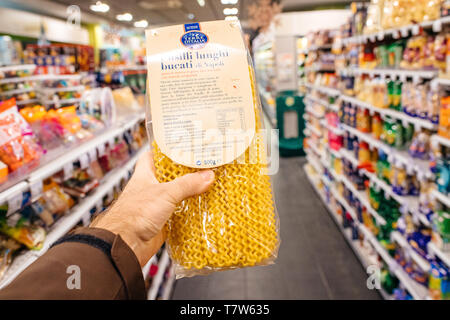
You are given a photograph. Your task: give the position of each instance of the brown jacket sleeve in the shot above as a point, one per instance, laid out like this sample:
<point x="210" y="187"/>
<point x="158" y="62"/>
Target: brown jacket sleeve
<point x="55" y="275"/>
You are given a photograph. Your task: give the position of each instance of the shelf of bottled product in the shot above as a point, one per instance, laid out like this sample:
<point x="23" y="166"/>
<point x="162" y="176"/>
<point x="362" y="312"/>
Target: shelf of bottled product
<point x="417" y="122"/>
<point x="59" y="159"/>
<point x="405" y="31"/>
<point x="417" y="291"/>
<point x="68" y="221"/>
<point x="159" y="277"/>
<point x="400" y="157"/>
<point x="401" y="74"/>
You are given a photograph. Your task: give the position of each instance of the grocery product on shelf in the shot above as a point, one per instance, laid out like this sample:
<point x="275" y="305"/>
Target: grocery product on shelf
<point x="66" y="190"/>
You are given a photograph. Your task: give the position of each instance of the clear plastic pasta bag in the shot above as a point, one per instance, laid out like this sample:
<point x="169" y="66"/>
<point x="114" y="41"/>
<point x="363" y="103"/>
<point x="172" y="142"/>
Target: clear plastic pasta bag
<point x="204" y="112"/>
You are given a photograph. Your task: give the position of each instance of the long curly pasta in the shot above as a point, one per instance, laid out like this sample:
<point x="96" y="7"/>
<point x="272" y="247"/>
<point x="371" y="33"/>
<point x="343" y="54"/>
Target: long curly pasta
<point x="233" y="224"/>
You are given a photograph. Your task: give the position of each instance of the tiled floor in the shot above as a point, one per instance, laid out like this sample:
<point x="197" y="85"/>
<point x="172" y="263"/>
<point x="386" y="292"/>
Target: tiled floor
<point x="314" y="261"/>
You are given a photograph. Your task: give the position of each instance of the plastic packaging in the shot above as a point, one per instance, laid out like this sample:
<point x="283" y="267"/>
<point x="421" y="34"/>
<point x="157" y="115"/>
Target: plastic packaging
<point x="235" y="223"/>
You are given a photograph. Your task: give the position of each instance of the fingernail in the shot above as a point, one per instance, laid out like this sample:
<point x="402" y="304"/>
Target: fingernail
<point x="207" y="175"/>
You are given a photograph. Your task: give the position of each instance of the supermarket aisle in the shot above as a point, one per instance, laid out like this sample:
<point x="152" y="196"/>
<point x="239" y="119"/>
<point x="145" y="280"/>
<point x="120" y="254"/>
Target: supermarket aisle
<point x="314" y="260"/>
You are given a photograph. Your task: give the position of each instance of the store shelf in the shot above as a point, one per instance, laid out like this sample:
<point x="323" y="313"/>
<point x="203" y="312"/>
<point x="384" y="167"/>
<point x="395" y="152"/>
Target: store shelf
<point x="157" y="281"/>
<point x="313" y="112"/>
<point x="391" y="73"/>
<point x="326" y="90"/>
<point x="69" y="220"/>
<point x="314" y="130"/>
<point x="68" y="155"/>
<point x="168" y="287"/>
<point x="29" y="101"/>
<point x="444" y="256"/>
<point x="399" y="157"/>
<point x="421" y="262"/>
<point x="20" y="79"/>
<point x="17" y="91"/>
<point x="335" y="130"/>
<point x="146" y="268"/>
<point x="317" y="67"/>
<point x="63" y="89"/>
<point x="357" y="249"/>
<point x="440" y="140"/>
<point x="405" y="31"/>
<point x="445" y="82"/>
<point x="18" y="67"/>
<point x="417" y="122"/>
<point x="445" y="200"/>
<point x="362" y="197"/>
<point x="61" y="101"/>
<point x="322" y="47"/>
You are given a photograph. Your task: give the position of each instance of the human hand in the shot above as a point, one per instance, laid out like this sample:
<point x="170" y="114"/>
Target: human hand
<point x="144" y="206"/>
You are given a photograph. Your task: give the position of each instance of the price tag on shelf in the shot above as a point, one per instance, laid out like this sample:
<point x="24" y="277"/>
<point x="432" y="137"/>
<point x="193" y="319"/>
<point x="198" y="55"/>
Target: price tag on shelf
<point x="36" y="190"/>
<point x="415" y="29"/>
<point x="402" y="77"/>
<point x="416" y="79"/>
<point x="404" y="32"/>
<point x="68" y="170"/>
<point x="437" y="26"/>
<point x="84" y="161"/>
<point x="372" y="38"/>
<point x="92" y="155"/>
<point x="99" y="206"/>
<point x="86" y="219"/>
<point x="396" y="34"/>
<point x="380" y="36"/>
<point x="15" y="203"/>
<point x="101" y="150"/>
<point x="111" y="142"/>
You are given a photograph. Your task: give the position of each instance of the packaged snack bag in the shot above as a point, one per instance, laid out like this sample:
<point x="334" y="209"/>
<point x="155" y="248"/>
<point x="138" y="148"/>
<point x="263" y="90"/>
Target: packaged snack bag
<point x="204" y="112"/>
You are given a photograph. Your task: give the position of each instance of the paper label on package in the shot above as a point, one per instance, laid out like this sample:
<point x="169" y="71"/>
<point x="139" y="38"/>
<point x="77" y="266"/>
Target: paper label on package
<point x="200" y="92"/>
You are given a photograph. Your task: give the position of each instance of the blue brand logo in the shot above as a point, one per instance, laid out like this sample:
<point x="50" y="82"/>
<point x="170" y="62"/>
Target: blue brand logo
<point x="198" y="162"/>
<point x="194" y="39"/>
<point x="191" y="27"/>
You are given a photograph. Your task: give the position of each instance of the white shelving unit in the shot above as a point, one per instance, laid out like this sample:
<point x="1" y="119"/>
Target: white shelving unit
<point x="417" y="122"/>
<point x="69" y="155"/>
<point x="68" y="221"/>
<point x="418" y="291"/>
<point x="159" y="277"/>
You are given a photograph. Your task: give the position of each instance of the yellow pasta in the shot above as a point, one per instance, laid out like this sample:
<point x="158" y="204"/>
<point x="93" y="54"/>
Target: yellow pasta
<point x="232" y="225"/>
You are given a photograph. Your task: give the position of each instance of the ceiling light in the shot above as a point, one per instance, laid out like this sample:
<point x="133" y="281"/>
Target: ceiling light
<point x="232" y="18"/>
<point x="191" y="16"/>
<point x="99" y="7"/>
<point x="229" y="1"/>
<point x="201" y="3"/>
<point x="230" y="11"/>
<point x="124" y="17"/>
<point x="141" y="24"/>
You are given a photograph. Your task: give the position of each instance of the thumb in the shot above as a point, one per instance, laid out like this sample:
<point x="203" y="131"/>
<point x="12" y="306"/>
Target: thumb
<point x="189" y="185"/>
